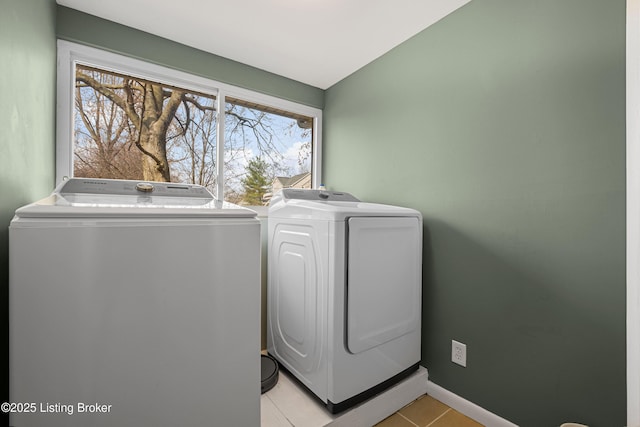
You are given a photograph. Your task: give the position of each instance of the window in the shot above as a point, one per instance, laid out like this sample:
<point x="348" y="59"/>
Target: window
<point x="122" y="118"/>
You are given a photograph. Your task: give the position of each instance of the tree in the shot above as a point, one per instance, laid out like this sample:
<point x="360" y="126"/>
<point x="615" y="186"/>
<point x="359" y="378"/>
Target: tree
<point x="103" y="146"/>
<point x="131" y="128"/>
<point x="192" y="158"/>
<point x="150" y="109"/>
<point x="256" y="182"/>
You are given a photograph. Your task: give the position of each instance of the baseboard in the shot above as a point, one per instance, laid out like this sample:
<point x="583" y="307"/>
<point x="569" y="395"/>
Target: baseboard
<point x="467" y="408"/>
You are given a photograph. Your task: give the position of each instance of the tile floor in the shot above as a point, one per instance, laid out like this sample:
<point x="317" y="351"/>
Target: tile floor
<point x="286" y="405"/>
<point x="428" y="412"/>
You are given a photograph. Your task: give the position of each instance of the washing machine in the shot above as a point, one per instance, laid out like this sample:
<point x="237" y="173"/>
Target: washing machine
<point x="134" y="303"/>
<point x="344" y="293"/>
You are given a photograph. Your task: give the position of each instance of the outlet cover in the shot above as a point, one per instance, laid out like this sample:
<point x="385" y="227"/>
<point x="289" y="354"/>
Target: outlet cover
<point x="459" y="353"/>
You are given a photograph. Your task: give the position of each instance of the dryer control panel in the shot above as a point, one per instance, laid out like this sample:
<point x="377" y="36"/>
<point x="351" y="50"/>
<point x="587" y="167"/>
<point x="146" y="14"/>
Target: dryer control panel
<point x="317" y="195"/>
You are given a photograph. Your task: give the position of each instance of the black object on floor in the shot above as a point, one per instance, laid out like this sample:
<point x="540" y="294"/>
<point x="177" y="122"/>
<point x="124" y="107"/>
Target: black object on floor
<point x="269" y="368"/>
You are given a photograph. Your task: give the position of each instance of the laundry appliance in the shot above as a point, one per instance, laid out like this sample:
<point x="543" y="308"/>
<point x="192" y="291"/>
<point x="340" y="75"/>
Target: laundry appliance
<point x="134" y="304"/>
<point x="344" y="293"/>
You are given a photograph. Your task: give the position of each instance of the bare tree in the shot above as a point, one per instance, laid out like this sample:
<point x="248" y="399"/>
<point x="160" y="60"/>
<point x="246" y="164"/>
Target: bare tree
<point x="103" y="141"/>
<point x="150" y="108"/>
<point x="137" y="129"/>
<point x="198" y="148"/>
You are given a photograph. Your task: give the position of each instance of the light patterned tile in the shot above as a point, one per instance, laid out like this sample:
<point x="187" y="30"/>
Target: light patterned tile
<point x="395" y="420"/>
<point x="455" y="418"/>
<point x="270" y="416"/>
<point x="300" y="408"/>
<point x="424" y="410"/>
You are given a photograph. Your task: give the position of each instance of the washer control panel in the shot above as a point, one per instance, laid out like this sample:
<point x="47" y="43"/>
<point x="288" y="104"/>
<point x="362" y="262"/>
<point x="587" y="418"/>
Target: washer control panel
<point x="77" y="186"/>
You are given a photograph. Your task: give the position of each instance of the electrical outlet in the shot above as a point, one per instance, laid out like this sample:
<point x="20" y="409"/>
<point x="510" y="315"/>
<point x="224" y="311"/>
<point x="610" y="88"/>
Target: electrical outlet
<point x="459" y="353"/>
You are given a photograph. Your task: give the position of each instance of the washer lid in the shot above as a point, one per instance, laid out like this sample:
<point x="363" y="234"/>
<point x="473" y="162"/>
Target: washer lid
<point x="105" y="198"/>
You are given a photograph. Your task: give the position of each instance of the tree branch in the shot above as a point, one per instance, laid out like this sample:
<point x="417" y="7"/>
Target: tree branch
<point x="110" y="94"/>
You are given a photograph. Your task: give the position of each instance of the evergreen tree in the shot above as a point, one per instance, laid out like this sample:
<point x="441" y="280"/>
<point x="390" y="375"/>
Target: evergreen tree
<point x="256" y="182"/>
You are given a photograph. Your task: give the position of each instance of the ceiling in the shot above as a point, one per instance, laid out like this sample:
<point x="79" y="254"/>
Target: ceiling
<point x="318" y="42"/>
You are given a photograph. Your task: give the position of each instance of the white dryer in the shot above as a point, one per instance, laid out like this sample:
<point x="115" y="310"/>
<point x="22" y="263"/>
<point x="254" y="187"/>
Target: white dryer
<point x="134" y="304"/>
<point x="344" y="293"/>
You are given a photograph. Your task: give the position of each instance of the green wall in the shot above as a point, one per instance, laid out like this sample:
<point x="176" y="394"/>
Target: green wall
<point x="504" y="124"/>
<point x="79" y="27"/>
<point x="27" y="112"/>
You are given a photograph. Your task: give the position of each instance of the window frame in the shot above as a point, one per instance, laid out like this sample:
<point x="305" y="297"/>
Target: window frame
<point x="69" y="54"/>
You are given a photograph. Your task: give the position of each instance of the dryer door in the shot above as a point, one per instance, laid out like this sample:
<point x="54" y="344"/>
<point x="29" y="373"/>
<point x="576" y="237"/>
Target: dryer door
<point x="384" y="259"/>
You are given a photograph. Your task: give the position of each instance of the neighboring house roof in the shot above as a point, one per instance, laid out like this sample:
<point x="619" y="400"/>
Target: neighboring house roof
<point x="295" y="181"/>
<point x="302" y="180"/>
